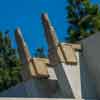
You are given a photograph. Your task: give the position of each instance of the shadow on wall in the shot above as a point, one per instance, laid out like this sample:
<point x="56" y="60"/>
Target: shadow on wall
<point x="88" y="86"/>
<point x="44" y="88"/>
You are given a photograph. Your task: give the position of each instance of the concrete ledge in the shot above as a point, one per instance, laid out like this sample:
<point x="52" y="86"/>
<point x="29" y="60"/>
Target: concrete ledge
<point x="41" y="99"/>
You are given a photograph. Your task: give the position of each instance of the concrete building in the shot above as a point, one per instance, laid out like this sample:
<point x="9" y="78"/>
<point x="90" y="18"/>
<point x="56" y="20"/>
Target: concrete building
<point x="71" y="71"/>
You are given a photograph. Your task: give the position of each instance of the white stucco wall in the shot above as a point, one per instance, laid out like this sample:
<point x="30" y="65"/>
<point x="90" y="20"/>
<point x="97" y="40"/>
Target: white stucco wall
<point x="73" y="75"/>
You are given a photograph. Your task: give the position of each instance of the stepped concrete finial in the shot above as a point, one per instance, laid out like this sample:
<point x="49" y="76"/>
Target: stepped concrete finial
<point x="27" y="71"/>
<point x="31" y="67"/>
<point x="49" y="31"/>
<point x="22" y="48"/>
<point x="62" y="57"/>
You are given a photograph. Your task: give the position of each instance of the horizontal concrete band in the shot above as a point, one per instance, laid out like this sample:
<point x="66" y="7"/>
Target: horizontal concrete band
<point x="38" y="99"/>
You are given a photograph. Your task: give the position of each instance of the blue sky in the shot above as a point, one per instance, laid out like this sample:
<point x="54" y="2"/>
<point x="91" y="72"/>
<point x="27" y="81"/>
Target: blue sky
<point x="26" y="14"/>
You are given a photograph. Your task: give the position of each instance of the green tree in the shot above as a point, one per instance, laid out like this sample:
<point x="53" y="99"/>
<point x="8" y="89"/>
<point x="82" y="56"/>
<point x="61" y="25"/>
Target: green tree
<point x="40" y="53"/>
<point x="83" y="18"/>
<point x="7" y="39"/>
<point x="9" y="63"/>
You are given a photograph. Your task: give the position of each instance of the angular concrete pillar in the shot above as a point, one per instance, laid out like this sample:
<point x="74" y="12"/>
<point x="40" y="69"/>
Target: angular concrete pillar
<point x="27" y="67"/>
<point x="49" y="31"/>
<point x="65" y="61"/>
<point x="31" y="67"/>
<point x="22" y="47"/>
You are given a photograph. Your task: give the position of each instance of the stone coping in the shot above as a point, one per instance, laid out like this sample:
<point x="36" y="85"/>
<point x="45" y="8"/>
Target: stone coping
<point x="6" y="98"/>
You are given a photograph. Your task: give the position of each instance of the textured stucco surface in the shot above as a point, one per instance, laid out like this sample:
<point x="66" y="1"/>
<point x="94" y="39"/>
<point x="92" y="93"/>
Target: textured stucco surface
<point x="36" y="88"/>
<point x="91" y="53"/>
<point x="75" y="80"/>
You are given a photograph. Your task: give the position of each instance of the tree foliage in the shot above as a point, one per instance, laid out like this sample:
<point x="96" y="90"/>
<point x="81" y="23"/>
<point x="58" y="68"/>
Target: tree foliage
<point x="9" y="64"/>
<point x="83" y="19"/>
<point x="40" y="53"/>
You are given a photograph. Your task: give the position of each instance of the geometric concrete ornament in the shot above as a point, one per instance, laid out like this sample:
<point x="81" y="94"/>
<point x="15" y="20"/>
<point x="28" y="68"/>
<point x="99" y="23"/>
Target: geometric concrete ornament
<point x="69" y="54"/>
<point x="40" y="65"/>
